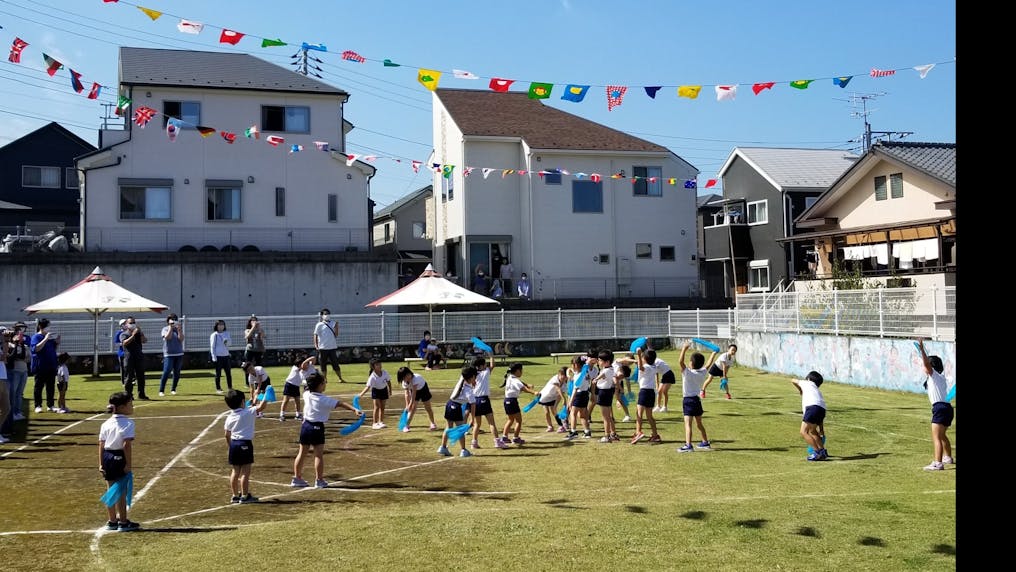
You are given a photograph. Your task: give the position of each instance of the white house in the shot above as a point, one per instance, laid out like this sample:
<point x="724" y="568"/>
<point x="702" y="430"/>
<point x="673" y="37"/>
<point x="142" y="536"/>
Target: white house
<point x="626" y="236"/>
<point x="142" y="191"/>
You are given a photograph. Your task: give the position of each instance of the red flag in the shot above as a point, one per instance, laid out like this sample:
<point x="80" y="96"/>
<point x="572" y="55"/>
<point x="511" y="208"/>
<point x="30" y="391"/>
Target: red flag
<point x="51" y="65"/>
<point x="108" y="1"/>
<point x="875" y="72"/>
<point x="16" y="47"/>
<point x="595" y="177"/>
<point x="416" y="166"/>
<point x="501" y="85"/>
<point x="76" y="81"/>
<point x="710" y="183"/>
<point x="143" y="115"/>
<point x="760" y="87"/>
<point x="353" y="56"/>
<point x="229" y="37"/>
<point x="229" y="137"/>
<point x="94" y="92"/>
<point x="274" y="140"/>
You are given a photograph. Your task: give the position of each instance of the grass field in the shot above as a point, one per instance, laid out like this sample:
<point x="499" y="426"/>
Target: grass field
<point x="753" y="503"/>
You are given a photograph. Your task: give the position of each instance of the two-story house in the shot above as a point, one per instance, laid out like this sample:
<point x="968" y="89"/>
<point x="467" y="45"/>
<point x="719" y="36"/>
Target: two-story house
<point x="711" y="279"/>
<point x="215" y="167"/>
<point x="39" y="181"/>
<point x="585" y="210"/>
<point x="402" y="226"/>
<point x="892" y="216"/>
<point x="764" y="190"/>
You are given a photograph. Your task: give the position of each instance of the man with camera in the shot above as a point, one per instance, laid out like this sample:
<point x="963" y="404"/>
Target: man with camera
<point x="172" y="353"/>
<point x="326" y="342"/>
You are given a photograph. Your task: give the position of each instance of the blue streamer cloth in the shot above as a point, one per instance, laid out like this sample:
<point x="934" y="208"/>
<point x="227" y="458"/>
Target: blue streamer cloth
<point x="623" y="398"/>
<point x="356" y="402"/>
<point x="952" y="394"/>
<point x="638" y="343"/>
<point x="480" y="344"/>
<point x="529" y="406"/>
<point x="124" y="485"/>
<point x="353" y="426"/>
<point x="723" y="383"/>
<point x="457" y="432"/>
<point x="404" y="420"/>
<point x="270" y="394"/>
<point x="563" y="414"/>
<point x="706" y="344"/>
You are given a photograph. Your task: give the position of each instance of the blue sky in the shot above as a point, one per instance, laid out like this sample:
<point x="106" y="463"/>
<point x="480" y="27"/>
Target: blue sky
<point x="596" y="42"/>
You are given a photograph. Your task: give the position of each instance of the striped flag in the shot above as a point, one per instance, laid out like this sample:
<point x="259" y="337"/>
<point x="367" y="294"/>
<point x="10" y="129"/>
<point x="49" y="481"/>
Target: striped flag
<point x="252" y="132"/>
<point x="206" y="131"/>
<point x="875" y="72"/>
<point x="51" y="65"/>
<point x="274" y="140"/>
<point x="16" y="48"/>
<point x="142" y="115"/>
<point x="76" y="81"/>
<point x="352" y="56"/>
<point x="94" y="92"/>
<point x="295" y="149"/>
<point x="321" y="145"/>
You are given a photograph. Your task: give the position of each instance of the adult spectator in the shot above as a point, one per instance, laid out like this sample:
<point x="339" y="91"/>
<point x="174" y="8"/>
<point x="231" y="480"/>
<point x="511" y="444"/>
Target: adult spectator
<point x="525" y="289"/>
<point x="17" y="369"/>
<point x="219" y="347"/>
<point x="118" y="338"/>
<point x="326" y="342"/>
<point x="5" y="386"/>
<point x="43" y="347"/>
<point x="134" y="359"/>
<point x="507" y="273"/>
<point x="254" y="334"/>
<point x="480" y="283"/>
<point x="172" y="353"/>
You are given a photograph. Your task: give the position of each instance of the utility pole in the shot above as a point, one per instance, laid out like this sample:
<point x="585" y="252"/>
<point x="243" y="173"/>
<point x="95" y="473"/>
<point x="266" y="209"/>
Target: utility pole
<point x="106" y="114"/>
<point x="862" y="99"/>
<point x="302" y="63"/>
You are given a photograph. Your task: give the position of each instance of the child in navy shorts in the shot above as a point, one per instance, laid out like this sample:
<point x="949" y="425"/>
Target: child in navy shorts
<point x="461" y="397"/>
<point x="513" y="386"/>
<point x="416" y="390"/>
<point x="691" y="381"/>
<point x="316" y="408"/>
<point x="116" y="437"/>
<point x="813" y="421"/>
<point x="647" y="395"/>
<point x="578" y="401"/>
<point x="239" y="428"/>
<point x="941" y="410"/>
<point x="380" y="385"/>
<point x="549" y="397"/>
<point x="302" y="367"/>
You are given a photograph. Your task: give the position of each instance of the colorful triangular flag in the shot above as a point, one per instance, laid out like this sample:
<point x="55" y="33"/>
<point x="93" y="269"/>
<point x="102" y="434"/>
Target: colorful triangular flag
<point x="689" y="91"/>
<point x="51" y="65"/>
<point x="690" y="184"/>
<point x="500" y="85"/>
<point x="463" y="74"/>
<point x="428" y="78"/>
<point x="315" y="47"/>
<point x="172" y="128"/>
<point x="295" y="149"/>
<point x="321" y="145"/>
<point x="274" y="140"/>
<point x="229" y="37"/>
<point x="672" y="181"/>
<point x="760" y="87"/>
<point x="94" y="92"/>
<point x="595" y="177"/>
<point x="416" y="166"/>
<point x="122" y="103"/>
<point x="153" y="14"/>
<point x="711" y="183"/>
<point x="651" y="90"/>
<point x="446" y="171"/>
<point x="76" y="81"/>
<point x="266" y="42"/>
<point x="539" y="90"/>
<point x="842" y="81"/>
<point x="205" y="131"/>
<point x="391" y="64"/>
<point x="486" y="171"/>
<point x="188" y="27"/>
<point x="143" y="114"/>
<point x="350" y="55"/>
<point x="466" y="171"/>
<point x="801" y="83"/>
<point x="615" y="95"/>
<point x="923" y="70"/>
<point x="726" y="92"/>
<point x="16" y="48"/>
<point x="574" y="92"/>
<point x="229" y="137"/>
<point x="252" y="132"/>
<point x="351" y="158"/>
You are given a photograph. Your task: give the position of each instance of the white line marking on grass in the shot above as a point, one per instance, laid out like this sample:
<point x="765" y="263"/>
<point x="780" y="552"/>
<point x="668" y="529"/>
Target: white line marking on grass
<point x="90" y="531"/>
<point x="57" y="432"/>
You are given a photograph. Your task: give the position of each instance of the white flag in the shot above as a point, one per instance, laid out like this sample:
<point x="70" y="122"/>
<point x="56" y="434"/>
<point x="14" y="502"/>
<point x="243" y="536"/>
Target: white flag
<point x="351" y="158"/>
<point x="486" y="172"/>
<point x="923" y="70"/>
<point x="725" y="92"/>
<point x="463" y="74"/>
<point x="188" y="27"/>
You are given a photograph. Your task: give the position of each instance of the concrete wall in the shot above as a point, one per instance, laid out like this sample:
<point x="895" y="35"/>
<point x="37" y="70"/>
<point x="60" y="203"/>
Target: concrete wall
<point x="885" y="363"/>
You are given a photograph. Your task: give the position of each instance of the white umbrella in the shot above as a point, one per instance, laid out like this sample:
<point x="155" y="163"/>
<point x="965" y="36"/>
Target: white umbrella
<point x="96" y="294"/>
<point x="431" y="289"/>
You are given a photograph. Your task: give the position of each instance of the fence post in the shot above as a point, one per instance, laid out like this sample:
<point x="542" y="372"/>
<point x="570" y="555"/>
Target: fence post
<point x="110" y="336"/>
<point x="881" y="321"/>
<point x="698" y="322"/>
<point x="559" y="332"/>
<point x="836" y="314"/>
<point x="934" y="313"/>
<point x="444" y="328"/>
<point x="765" y="326"/>
<point x="382" y="327"/>
<point x="615" y="322"/>
<point x="670" y="331"/>
<point x="502" y="324"/>
<point x="797" y="310"/>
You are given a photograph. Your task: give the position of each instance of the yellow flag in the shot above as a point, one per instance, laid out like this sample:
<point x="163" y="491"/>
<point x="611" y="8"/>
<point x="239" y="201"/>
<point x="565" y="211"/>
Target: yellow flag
<point x="689" y="91"/>
<point x="153" y="14"/>
<point x="428" y="78"/>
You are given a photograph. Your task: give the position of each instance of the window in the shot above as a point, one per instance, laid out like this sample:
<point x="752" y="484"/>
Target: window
<point x="419" y="230"/>
<point x="145" y="203"/>
<point x="187" y="111"/>
<point x="808" y="201"/>
<point x="285" y="118"/>
<point x="880" y="190"/>
<point x="758" y="275"/>
<point x="223" y="203"/>
<point x="896" y="185"/>
<point x="758" y="212"/>
<point x="388" y="232"/>
<point x="280" y="201"/>
<point x="552" y="178"/>
<point x="44" y="177"/>
<point x="643" y="250"/>
<point x="603" y="258"/>
<point x="71" y="178"/>
<point x="587" y="197"/>
<point x="667" y="253"/>
<point x="333" y="208"/>
<point x="643" y="186"/>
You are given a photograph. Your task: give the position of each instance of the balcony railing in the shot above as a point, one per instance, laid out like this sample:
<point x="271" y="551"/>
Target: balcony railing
<point x="173" y="239"/>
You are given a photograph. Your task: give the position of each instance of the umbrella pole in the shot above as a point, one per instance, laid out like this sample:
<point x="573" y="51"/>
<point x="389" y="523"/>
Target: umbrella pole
<point x="95" y="344"/>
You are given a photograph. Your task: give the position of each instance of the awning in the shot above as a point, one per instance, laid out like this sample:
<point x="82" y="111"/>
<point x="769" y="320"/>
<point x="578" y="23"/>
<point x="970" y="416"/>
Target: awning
<point x="927" y="228"/>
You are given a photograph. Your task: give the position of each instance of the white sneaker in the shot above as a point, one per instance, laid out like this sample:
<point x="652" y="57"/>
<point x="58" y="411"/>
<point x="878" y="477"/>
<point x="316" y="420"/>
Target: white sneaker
<point x="63" y="410"/>
<point x="947" y="460"/>
<point x="162" y="394"/>
<point x="663" y="410"/>
<point x="626" y="419"/>
<point x="218" y="391"/>
<point x="299" y="417"/>
<point x="282" y="417"/>
<point x="935" y="466"/>
<point x="38" y="410"/>
<point x="381" y="426"/>
<point x="656" y="409"/>
<point x="173" y="392"/>
<point x="405" y="429"/>
<point x="3" y="439"/>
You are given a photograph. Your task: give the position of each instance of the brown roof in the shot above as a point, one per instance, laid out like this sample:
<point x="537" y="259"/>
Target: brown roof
<point x="513" y="114"/>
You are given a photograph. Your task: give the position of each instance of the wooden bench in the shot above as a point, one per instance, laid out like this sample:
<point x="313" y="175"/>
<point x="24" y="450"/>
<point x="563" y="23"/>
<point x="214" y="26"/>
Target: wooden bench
<point x="558" y="355"/>
<point x="500" y="359"/>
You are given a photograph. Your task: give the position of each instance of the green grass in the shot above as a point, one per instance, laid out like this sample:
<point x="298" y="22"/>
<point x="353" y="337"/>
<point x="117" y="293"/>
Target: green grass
<point x="753" y="503"/>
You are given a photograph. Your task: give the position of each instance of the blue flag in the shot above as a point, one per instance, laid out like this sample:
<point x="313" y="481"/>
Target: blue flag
<point x="842" y="81"/>
<point x="651" y="90"/>
<point x="316" y="47"/>
<point x="575" y="93"/>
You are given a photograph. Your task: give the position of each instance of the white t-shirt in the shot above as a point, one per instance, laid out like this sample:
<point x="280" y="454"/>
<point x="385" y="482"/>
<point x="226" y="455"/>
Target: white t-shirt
<point x="295" y="376"/>
<point x="647" y="377"/>
<point x="482" y="387"/>
<point x="317" y="406"/>
<point x="115" y="431"/>
<point x="607" y="379"/>
<point x="240" y="423"/>
<point x="463" y="393"/>
<point x="417" y="381"/>
<point x="937" y="387"/>
<point x="692" y="380"/>
<point x="63" y="375"/>
<point x="377" y="381"/>
<point x="325" y="335"/>
<point x="724" y="359"/>
<point x="549" y="393"/>
<point x="506" y="271"/>
<point x="513" y="387"/>
<point x="810" y="395"/>
<point x="661" y="366"/>
<point x="258" y="376"/>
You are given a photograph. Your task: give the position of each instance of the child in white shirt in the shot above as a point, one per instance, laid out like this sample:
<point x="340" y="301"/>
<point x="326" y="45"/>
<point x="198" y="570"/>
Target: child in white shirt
<point x="461" y="397"/>
<point x="116" y="437"/>
<point x="316" y="408"/>
<point x="692" y="379"/>
<point x="513" y="386"/>
<point x="813" y="421"/>
<point x="380" y="385"/>
<point x="550" y="395"/>
<point x="302" y="367"/>
<point x="63" y="377"/>
<point x="239" y="428"/>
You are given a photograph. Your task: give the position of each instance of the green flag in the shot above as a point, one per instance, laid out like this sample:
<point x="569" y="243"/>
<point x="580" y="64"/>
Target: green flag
<point x="122" y="103"/>
<point x="266" y="43"/>
<point x="801" y="83"/>
<point x="540" y="90"/>
<point x="391" y="64"/>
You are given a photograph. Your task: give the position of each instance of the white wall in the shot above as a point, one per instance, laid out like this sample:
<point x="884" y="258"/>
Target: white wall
<point x="858" y="206"/>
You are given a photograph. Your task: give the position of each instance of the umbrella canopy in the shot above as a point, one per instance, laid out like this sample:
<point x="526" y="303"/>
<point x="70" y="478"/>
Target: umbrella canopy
<point x="431" y="289"/>
<point x="96" y="294"/>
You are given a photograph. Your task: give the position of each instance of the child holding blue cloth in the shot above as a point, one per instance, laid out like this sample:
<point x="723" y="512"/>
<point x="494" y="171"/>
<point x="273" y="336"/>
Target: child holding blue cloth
<point x="116" y="437"/>
<point x="239" y="428"/>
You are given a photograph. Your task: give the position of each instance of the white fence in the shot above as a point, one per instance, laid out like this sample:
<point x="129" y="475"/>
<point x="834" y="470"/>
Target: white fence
<point x="894" y="312"/>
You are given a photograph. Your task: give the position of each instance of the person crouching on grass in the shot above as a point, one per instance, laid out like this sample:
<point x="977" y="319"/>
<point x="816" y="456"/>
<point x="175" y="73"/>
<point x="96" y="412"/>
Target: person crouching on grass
<point x="239" y="429"/>
<point x="462" y="394"/>
<point x="116" y="438"/>
<point x="416" y="391"/>
<point x="316" y="408"/>
<point x="380" y="385"/>
<point x="550" y="395"/>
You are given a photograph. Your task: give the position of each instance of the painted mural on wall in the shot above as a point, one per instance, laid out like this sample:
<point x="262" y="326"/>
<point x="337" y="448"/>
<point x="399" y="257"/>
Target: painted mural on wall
<point x="885" y="363"/>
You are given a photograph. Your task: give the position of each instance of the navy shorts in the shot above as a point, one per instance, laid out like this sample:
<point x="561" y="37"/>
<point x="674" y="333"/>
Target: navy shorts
<point x="312" y="433"/>
<point x="483" y="406"/>
<point x="647" y="397"/>
<point x="814" y="414"/>
<point x="290" y="390"/>
<point x="668" y="377"/>
<point x="113" y="464"/>
<point x="381" y="394"/>
<point x="605" y="397"/>
<point x="580" y="399"/>
<point x="511" y="405"/>
<point x="453" y="411"/>
<point x="692" y="406"/>
<point x="715" y="371"/>
<point x="550" y="404"/>
<point x="264" y="384"/>
<point x="942" y="413"/>
<point x="423" y="394"/>
<point x="241" y="452"/>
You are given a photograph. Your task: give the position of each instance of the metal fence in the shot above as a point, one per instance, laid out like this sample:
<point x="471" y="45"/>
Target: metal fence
<point x="894" y="312"/>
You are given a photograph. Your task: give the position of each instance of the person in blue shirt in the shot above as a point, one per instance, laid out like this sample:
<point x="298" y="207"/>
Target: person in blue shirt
<point x="118" y="337"/>
<point x="43" y="347"/>
<point x="421" y="350"/>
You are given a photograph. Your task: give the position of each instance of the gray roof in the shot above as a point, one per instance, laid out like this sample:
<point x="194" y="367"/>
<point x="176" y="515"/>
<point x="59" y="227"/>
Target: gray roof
<point x="935" y="159"/>
<point x="703" y="200"/>
<point x="796" y="168"/>
<point x="404" y="201"/>
<point x="146" y="66"/>
<point x="8" y="206"/>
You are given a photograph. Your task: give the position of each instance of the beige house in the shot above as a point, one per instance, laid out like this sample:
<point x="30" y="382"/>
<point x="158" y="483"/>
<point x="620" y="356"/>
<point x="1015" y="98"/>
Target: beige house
<point x="892" y="215"/>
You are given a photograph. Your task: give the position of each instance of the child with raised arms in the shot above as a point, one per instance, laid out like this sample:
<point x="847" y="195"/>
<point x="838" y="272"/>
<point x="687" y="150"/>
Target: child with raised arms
<point x="239" y="433"/>
<point x="416" y="390"/>
<point x="302" y="367"/>
<point x="481" y="391"/>
<point x="316" y="408"/>
<point x="941" y="410"/>
<point x="691" y="382"/>
<point x="116" y="440"/>
<point x="551" y="395"/>
<point x="462" y="395"/>
<point x="647" y="395"/>
<point x="380" y="385"/>
<point x="814" y="408"/>
<point x="667" y="380"/>
<point x="513" y="386"/>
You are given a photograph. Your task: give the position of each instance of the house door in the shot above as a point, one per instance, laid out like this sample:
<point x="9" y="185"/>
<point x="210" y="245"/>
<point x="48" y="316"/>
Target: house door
<point x="479" y="259"/>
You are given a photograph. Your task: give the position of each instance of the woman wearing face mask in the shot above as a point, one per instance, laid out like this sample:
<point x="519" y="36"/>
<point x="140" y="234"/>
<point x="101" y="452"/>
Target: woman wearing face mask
<point x="172" y="353"/>
<point x="134" y="359"/>
<point x="43" y="348"/>
<point x="255" y="336"/>
<point x="219" y="345"/>
<point x="326" y="336"/>
<point x="17" y="369"/>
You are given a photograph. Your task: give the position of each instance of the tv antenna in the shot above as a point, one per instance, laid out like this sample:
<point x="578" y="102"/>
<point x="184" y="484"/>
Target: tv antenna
<point x="861" y="100"/>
